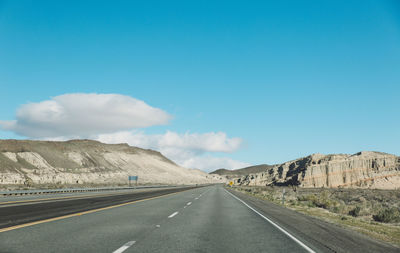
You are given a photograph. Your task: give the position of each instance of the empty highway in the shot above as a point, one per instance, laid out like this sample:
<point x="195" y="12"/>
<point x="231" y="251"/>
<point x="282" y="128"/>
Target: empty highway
<point x="202" y="219"/>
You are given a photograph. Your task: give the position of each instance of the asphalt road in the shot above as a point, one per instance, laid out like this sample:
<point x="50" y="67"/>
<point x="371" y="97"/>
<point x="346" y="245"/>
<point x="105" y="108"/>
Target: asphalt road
<point x="207" y="219"/>
<point x="18" y="212"/>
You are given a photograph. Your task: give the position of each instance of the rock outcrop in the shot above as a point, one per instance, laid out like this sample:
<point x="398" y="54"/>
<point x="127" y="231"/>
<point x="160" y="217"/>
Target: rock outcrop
<point x="83" y="162"/>
<point x="363" y="169"/>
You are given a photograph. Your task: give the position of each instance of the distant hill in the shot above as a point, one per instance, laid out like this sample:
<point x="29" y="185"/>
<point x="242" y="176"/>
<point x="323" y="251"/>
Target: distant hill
<point x="87" y="162"/>
<point x="243" y="171"/>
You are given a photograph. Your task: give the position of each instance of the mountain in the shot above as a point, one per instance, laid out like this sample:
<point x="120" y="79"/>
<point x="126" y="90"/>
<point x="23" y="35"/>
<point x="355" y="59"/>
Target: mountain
<point x="87" y="162"/>
<point x="243" y="171"/>
<point x="363" y="169"/>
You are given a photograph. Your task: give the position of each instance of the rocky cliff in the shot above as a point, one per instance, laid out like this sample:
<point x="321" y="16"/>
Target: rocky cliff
<point x="363" y="169"/>
<point x="34" y="163"/>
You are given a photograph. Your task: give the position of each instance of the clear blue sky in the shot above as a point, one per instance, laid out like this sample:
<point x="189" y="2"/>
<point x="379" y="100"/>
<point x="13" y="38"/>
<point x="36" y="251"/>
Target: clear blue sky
<point x="290" y="78"/>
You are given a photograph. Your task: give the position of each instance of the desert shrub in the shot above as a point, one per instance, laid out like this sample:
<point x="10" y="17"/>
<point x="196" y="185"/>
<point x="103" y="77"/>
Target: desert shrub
<point x="322" y="201"/>
<point x="325" y="203"/>
<point x="362" y="199"/>
<point x="387" y="215"/>
<point x="355" y="212"/>
<point x="310" y="197"/>
<point x="311" y="204"/>
<point x="271" y="197"/>
<point x="340" y="208"/>
<point x="336" y="209"/>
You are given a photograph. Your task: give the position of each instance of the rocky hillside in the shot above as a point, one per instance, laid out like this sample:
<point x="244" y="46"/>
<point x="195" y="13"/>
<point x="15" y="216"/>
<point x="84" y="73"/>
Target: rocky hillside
<point x="363" y="169"/>
<point x="84" y="162"/>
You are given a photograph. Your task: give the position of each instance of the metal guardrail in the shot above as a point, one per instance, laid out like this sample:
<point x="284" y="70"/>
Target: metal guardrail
<point x="69" y="190"/>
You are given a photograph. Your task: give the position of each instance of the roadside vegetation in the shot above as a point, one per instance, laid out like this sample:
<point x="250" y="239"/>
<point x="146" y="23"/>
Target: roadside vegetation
<point x="375" y="213"/>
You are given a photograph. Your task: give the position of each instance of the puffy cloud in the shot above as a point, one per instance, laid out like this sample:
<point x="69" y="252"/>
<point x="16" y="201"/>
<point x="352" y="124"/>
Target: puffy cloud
<point x="112" y="118"/>
<point x="83" y="115"/>
<point x="210" y="163"/>
<point x="188" y="150"/>
<point x="206" y="142"/>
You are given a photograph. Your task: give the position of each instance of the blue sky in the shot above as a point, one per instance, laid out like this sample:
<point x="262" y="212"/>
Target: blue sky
<point x="287" y="78"/>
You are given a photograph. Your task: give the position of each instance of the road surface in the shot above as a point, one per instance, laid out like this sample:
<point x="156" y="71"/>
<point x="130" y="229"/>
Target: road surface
<point x="204" y="219"/>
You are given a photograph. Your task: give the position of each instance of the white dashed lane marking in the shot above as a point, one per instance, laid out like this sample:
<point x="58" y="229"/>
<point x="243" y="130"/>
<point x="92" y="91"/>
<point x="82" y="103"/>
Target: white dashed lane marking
<point x="124" y="247"/>
<point x="130" y="243"/>
<point x="172" y="215"/>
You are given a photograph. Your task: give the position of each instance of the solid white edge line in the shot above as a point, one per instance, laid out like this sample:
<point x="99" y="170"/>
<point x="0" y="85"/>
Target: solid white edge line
<point x="124" y="247"/>
<point x="172" y="215"/>
<point x="275" y="225"/>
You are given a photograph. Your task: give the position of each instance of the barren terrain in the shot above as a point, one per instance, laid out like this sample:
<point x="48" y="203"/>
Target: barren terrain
<point x="86" y="162"/>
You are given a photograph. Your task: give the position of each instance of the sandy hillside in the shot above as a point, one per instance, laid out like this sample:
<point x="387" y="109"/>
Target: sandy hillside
<point x="82" y="162"/>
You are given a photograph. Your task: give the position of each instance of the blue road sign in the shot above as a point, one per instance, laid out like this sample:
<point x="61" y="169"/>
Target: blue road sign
<point x="133" y="178"/>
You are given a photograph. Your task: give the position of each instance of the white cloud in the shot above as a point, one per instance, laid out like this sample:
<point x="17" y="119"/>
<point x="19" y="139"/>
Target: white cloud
<point x="206" y="142"/>
<point x="112" y="118"/>
<point x="210" y="163"/>
<point x="84" y="115"/>
<point x="188" y="150"/>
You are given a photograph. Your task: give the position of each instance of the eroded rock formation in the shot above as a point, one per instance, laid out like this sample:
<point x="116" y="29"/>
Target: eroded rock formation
<point x="363" y="169"/>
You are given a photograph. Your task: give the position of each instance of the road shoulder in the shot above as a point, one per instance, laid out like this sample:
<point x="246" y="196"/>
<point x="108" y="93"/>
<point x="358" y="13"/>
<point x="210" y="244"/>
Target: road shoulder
<point x="326" y="236"/>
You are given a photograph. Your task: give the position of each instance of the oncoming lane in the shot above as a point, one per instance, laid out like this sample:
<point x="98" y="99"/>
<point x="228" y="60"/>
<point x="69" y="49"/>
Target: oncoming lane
<point x="103" y="231"/>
